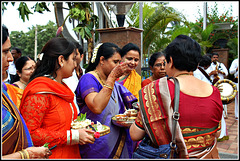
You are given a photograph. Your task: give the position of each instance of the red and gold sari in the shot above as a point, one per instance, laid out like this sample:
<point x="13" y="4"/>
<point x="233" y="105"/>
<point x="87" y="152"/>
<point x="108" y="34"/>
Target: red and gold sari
<point x="199" y="119"/>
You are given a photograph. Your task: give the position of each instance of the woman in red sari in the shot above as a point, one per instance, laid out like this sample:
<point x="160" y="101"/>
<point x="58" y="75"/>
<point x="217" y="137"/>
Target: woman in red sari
<point x="47" y="103"/>
<point x="200" y="105"/>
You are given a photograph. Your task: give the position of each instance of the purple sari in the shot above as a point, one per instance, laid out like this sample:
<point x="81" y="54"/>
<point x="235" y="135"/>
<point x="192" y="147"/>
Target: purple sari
<point x="106" y="146"/>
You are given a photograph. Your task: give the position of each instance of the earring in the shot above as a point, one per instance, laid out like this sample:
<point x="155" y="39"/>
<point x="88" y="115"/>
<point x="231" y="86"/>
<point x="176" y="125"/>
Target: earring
<point x="61" y="65"/>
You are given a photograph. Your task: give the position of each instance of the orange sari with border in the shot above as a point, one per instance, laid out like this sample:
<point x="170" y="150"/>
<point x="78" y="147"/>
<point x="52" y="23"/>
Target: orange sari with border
<point x="48" y="109"/>
<point x="197" y="126"/>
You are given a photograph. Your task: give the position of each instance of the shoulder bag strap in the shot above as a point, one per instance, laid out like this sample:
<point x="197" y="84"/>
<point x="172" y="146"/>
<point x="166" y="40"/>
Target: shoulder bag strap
<point x="175" y="116"/>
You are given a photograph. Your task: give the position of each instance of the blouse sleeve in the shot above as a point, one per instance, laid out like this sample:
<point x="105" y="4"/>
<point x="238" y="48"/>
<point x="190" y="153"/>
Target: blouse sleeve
<point x="33" y="111"/>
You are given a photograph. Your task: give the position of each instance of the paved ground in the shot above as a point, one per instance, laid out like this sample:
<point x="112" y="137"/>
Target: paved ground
<point x="230" y="148"/>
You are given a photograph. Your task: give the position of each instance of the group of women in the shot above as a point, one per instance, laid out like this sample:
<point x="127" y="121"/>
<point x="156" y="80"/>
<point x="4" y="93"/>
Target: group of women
<point x="110" y="86"/>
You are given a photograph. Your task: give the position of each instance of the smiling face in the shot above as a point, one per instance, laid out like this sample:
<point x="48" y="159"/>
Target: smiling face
<point x="27" y="70"/>
<point x="132" y="57"/>
<point x="6" y="55"/>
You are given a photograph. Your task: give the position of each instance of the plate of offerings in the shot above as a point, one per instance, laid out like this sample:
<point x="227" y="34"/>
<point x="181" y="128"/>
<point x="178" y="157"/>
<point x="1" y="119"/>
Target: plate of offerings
<point x="82" y="122"/>
<point x="126" y="119"/>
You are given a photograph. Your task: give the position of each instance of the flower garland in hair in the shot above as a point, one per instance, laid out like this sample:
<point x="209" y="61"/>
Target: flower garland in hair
<point x="95" y="52"/>
<point x="40" y="56"/>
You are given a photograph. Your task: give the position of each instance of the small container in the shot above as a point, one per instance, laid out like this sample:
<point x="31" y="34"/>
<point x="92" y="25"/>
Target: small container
<point x="136" y="105"/>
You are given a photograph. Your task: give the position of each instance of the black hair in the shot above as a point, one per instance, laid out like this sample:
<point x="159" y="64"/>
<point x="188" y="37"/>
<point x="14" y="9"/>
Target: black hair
<point x="107" y="50"/>
<point x="215" y="54"/>
<point x="205" y="61"/>
<point x="51" y="51"/>
<point x="79" y="47"/>
<point x="17" y="49"/>
<point x="154" y="57"/>
<point x="185" y="53"/>
<point x="128" y="47"/>
<point x="5" y="33"/>
<point x="20" y="63"/>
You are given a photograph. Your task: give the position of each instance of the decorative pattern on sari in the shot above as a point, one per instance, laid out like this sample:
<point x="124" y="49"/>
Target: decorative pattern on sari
<point x="155" y="117"/>
<point x="196" y="136"/>
<point x="15" y="93"/>
<point x="15" y="136"/>
<point x="132" y="82"/>
<point x="106" y="146"/>
<point x="46" y="107"/>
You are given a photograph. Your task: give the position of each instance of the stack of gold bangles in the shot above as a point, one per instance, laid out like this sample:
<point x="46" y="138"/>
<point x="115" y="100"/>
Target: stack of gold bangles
<point x="108" y="86"/>
<point x="24" y="154"/>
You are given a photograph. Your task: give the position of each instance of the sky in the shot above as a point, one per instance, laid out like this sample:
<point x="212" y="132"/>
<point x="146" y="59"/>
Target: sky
<point x="190" y="9"/>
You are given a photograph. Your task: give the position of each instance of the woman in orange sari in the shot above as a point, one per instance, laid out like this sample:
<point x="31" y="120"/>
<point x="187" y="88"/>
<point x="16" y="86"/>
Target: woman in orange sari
<point x="131" y="80"/>
<point x="200" y="105"/>
<point x="47" y="103"/>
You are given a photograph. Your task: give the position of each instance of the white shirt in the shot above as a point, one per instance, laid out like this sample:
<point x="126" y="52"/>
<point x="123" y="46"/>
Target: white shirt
<point x="233" y="67"/>
<point x="198" y="74"/>
<point x="221" y="67"/>
<point x="72" y="83"/>
<point x="12" y="68"/>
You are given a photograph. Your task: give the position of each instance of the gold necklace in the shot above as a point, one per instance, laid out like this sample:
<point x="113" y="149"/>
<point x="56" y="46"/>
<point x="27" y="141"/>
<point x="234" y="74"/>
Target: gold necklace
<point x="182" y="74"/>
<point x="101" y="81"/>
<point x="23" y="83"/>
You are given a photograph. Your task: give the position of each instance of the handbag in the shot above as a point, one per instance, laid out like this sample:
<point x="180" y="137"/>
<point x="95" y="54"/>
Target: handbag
<point x="166" y="151"/>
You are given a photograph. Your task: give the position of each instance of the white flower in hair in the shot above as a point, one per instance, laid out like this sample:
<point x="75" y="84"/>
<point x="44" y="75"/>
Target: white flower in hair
<point x="95" y="52"/>
<point x="40" y="56"/>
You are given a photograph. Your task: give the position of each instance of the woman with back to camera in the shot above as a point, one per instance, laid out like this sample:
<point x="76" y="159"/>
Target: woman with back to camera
<point x="131" y="80"/>
<point x="200" y="105"/>
<point x="16" y="140"/>
<point x="101" y="97"/>
<point x="157" y="66"/>
<point x="47" y="103"/>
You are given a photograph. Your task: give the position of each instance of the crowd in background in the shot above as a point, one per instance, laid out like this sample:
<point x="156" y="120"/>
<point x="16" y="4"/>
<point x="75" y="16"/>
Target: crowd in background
<point x="41" y="99"/>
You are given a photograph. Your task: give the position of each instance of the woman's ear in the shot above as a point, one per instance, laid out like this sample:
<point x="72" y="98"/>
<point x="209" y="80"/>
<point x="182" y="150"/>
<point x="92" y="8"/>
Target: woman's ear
<point x="19" y="74"/>
<point x="101" y="62"/>
<point x="171" y="63"/>
<point x="60" y="60"/>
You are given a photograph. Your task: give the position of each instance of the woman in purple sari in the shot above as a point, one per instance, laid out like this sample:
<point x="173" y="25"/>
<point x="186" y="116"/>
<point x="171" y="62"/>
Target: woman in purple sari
<point x="101" y="97"/>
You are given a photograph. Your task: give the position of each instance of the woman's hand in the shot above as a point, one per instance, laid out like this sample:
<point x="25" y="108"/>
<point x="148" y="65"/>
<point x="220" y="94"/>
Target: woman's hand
<point x="38" y="152"/>
<point x="119" y="70"/>
<point x="86" y="136"/>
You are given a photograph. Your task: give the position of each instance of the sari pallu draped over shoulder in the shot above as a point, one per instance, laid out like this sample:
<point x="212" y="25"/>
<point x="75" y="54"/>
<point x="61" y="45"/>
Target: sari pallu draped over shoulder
<point x="156" y="101"/>
<point x="15" y="135"/>
<point x="132" y="82"/>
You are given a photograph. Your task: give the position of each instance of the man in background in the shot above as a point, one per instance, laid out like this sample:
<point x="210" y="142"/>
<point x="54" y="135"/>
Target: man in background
<point x="16" y="53"/>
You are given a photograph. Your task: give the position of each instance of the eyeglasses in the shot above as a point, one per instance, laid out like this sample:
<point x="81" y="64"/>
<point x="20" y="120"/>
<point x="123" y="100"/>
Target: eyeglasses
<point x="160" y="65"/>
<point x="30" y="68"/>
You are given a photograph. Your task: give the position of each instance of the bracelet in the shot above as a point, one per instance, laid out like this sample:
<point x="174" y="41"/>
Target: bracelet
<point x="108" y="86"/>
<point x="21" y="153"/>
<point x="26" y="153"/>
<point x="68" y="137"/>
<point x="75" y="137"/>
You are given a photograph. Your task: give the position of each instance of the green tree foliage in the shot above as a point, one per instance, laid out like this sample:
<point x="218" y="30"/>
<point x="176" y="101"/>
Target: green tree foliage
<point x="156" y="17"/>
<point x="26" y="41"/>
